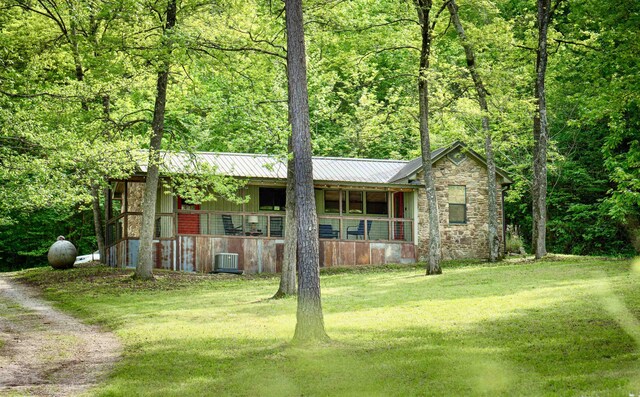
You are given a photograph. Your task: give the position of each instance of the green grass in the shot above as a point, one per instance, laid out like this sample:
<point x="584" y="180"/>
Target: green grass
<point x="565" y="326"/>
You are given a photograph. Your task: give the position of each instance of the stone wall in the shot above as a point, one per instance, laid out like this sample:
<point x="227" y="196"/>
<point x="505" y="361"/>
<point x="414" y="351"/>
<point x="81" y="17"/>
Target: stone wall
<point x="467" y="240"/>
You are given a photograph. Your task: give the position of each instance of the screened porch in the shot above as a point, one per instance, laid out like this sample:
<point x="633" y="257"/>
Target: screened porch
<point x="344" y="213"/>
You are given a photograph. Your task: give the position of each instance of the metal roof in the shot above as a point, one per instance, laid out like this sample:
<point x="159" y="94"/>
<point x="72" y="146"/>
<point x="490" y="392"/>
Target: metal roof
<point x="414" y="165"/>
<point x="328" y="169"/>
<point x="325" y="169"/>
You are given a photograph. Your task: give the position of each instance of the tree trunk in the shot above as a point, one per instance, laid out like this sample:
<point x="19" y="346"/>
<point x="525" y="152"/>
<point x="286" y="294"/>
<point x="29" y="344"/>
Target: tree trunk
<point x="77" y="61"/>
<point x="288" y="276"/>
<point x="494" y="239"/>
<point x="97" y="221"/>
<point x="95" y="191"/>
<point x="145" y="257"/>
<point x="433" y="263"/>
<point x="310" y="322"/>
<point x="540" y="136"/>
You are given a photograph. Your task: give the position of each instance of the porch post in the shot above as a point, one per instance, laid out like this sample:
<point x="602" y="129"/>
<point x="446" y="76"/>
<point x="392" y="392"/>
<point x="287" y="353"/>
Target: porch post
<point x="415" y="217"/>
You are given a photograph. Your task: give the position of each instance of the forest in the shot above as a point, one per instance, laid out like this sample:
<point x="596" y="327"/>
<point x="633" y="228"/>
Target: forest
<point x="78" y="83"/>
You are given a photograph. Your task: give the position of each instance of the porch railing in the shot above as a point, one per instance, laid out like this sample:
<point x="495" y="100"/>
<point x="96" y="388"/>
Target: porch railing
<point x="257" y="225"/>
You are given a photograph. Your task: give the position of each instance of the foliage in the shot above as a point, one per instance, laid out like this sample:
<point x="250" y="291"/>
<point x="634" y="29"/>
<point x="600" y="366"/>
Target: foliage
<point x="582" y="311"/>
<point x="24" y="243"/>
<point x="201" y="182"/>
<point x="228" y="93"/>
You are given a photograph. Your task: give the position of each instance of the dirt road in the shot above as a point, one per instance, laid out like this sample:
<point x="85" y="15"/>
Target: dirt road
<point x="44" y="352"/>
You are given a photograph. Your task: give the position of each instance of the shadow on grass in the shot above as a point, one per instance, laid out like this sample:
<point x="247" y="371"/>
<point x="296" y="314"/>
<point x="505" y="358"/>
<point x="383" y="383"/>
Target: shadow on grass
<point x="564" y="350"/>
<point x="353" y="292"/>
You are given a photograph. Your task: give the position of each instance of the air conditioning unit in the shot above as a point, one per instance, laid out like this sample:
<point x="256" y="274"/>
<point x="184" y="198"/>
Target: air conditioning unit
<point x="226" y="263"/>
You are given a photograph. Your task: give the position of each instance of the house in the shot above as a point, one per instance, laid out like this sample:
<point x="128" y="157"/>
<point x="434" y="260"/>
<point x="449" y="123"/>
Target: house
<point x="369" y="212"/>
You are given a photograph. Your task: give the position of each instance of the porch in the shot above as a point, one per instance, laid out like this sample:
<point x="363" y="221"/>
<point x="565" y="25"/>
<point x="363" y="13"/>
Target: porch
<point x="355" y="227"/>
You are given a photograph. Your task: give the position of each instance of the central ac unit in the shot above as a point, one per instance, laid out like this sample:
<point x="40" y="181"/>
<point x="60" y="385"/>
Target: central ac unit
<point x="226" y="263"/>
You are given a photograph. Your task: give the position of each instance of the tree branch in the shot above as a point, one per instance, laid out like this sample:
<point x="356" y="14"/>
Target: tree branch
<point x="378" y="25"/>
<point x="576" y="43"/>
<point x="202" y="45"/>
<point x="40" y="94"/>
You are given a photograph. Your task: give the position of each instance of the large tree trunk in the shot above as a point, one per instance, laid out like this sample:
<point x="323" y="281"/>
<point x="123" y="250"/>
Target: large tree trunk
<point x="145" y="257"/>
<point x="310" y="322"/>
<point x="494" y="239"/>
<point x="288" y="276"/>
<point x="433" y="262"/>
<point x="540" y="136"/>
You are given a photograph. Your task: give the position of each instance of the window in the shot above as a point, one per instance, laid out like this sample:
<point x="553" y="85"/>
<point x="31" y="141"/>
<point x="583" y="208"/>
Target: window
<point x="457" y="204"/>
<point x="355" y="203"/>
<point x="377" y="203"/>
<point x="272" y="199"/>
<point x="332" y="201"/>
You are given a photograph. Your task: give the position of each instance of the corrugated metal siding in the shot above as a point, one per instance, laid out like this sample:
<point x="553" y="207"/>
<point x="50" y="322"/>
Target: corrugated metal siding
<point x="186" y="253"/>
<point x="165" y="200"/>
<point x="132" y="253"/>
<point x="221" y="205"/>
<point x="256" y="255"/>
<point x="254" y="194"/>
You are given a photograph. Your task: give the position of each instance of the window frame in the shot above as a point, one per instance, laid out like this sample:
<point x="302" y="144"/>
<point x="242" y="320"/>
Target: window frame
<point x="344" y="203"/>
<point x="349" y="211"/>
<point x="452" y="204"/>
<point x="339" y="209"/>
<point x="386" y="202"/>
<point x="273" y="205"/>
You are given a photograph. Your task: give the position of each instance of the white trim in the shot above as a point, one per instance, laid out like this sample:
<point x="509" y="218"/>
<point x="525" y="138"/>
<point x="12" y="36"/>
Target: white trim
<point x="416" y="217"/>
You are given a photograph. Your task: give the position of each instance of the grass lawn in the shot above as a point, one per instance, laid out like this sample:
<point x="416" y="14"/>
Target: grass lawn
<point x="566" y="326"/>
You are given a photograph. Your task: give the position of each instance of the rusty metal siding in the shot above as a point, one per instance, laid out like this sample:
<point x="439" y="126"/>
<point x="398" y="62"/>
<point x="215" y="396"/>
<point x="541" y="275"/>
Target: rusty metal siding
<point x="279" y="256"/>
<point x="408" y="253"/>
<point x="203" y="255"/>
<point x="163" y="254"/>
<point x="186" y="253"/>
<point x="236" y="246"/>
<point x="196" y="253"/>
<point x="378" y="254"/>
<point x="347" y="252"/>
<point x="363" y="253"/>
<point x="250" y="257"/>
<point x="270" y="256"/>
<point x="329" y="253"/>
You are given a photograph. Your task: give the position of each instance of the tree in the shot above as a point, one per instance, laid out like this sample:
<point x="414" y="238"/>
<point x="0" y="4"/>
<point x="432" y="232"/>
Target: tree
<point x="310" y="322"/>
<point x="494" y="240"/>
<point x="433" y="260"/>
<point x="288" y="276"/>
<point x="81" y="33"/>
<point x="540" y="135"/>
<point x="68" y="28"/>
<point x="145" y="265"/>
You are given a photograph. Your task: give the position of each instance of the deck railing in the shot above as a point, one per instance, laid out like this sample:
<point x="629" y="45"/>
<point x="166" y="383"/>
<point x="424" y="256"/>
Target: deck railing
<point x="257" y="225"/>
